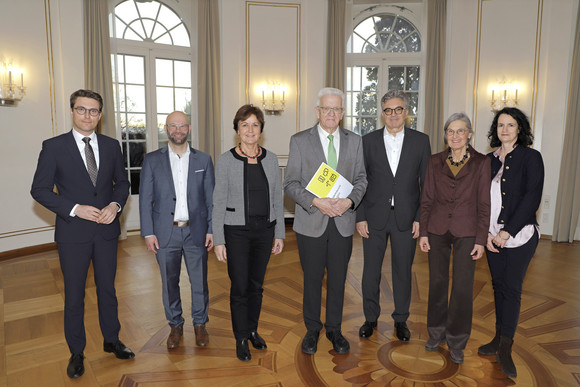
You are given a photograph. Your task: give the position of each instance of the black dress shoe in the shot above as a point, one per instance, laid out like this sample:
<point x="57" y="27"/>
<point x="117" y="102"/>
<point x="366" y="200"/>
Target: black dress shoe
<point x="339" y="343"/>
<point x="403" y="333"/>
<point x="257" y="340"/>
<point x="367" y="329"/>
<point x="242" y="350"/>
<point x="119" y="349"/>
<point x="310" y="342"/>
<point x="75" y="366"/>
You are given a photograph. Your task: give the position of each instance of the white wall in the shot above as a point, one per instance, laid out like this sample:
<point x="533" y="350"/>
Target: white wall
<point x="508" y="45"/>
<point x="43" y="112"/>
<point x="522" y="43"/>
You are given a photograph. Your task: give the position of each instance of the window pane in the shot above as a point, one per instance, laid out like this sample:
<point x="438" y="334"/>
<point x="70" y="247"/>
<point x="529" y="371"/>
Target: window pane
<point x="365" y="28"/>
<point x="367" y="125"/>
<point x="413" y="78"/>
<point x="164" y="72"/>
<point x="180" y="36"/>
<point x="168" y="18"/>
<point x="164" y="39"/>
<point x="135" y="66"/>
<point x="182" y="73"/>
<point x="385" y="23"/>
<point x="135" y="180"/>
<point x="165" y="103"/>
<point x="126" y="11"/>
<point x="149" y="10"/>
<point x="413" y="42"/>
<point x="183" y="100"/>
<point x="148" y="24"/>
<point x="135" y="98"/>
<point x="135" y="31"/>
<point x="385" y="33"/>
<point x="396" y="77"/>
<point x="136" y="153"/>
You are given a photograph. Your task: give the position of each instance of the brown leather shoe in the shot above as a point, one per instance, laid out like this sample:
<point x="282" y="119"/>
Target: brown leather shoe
<point x="174" y="337"/>
<point x="201" y="335"/>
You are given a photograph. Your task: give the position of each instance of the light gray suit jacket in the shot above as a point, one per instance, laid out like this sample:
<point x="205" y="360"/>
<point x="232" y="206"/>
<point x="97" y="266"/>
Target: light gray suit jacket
<point x="306" y="155"/>
<point x="157" y="196"/>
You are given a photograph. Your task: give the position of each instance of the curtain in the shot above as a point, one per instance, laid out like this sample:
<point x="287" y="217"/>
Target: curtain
<point x="336" y="44"/>
<point x="208" y="78"/>
<point x="98" y="73"/>
<point x="434" y="73"/>
<point x="568" y="199"/>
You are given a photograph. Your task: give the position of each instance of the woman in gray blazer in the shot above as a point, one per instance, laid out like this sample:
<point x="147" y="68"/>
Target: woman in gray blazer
<point x="247" y="216"/>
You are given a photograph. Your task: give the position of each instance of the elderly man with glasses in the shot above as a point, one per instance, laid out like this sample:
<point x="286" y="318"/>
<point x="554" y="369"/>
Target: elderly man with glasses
<point x="396" y="159"/>
<point x="324" y="226"/>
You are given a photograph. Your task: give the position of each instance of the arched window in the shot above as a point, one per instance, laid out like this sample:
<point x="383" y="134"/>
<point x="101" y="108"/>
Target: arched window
<point x="383" y="53"/>
<point x="152" y="76"/>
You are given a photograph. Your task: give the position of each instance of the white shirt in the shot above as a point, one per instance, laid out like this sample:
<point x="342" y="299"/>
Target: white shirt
<point x="80" y="143"/>
<point x="179" y="171"/>
<point x="325" y="141"/>
<point x="393" y="146"/>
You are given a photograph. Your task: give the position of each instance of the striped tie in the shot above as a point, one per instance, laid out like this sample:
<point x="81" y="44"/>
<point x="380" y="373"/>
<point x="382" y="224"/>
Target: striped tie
<point x="91" y="161"/>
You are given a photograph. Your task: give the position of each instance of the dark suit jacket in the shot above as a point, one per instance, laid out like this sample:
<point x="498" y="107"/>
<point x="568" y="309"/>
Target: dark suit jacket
<point x="157" y="196"/>
<point x="522" y="182"/>
<point x="459" y="204"/>
<point x="406" y="186"/>
<point x="60" y="164"/>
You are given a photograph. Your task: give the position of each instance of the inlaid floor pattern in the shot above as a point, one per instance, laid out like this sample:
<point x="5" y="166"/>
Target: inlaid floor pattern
<point x="33" y="351"/>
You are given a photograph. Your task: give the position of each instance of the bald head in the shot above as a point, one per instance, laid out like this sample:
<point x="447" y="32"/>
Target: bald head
<point x="177" y="117"/>
<point x="177" y="128"/>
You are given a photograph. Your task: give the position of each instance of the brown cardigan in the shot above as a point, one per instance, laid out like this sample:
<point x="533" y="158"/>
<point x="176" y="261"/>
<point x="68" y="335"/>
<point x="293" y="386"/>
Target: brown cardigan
<point x="458" y="204"/>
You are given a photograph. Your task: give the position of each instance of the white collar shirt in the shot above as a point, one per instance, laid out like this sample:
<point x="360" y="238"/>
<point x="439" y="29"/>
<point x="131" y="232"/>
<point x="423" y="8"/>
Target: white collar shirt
<point x="179" y="171"/>
<point x="393" y="147"/>
<point x="81" y="145"/>
<point x="323" y="134"/>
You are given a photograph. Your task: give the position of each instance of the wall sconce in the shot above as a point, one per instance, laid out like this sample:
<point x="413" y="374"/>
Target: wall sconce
<point x="12" y="88"/>
<point x="273" y="106"/>
<point x="503" y="95"/>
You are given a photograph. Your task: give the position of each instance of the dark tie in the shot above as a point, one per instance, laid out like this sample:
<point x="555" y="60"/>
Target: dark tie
<point x="91" y="161"/>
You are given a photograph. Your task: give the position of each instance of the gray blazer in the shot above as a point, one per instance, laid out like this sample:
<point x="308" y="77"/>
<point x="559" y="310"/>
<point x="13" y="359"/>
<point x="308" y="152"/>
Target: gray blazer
<point x="157" y="196"/>
<point x="229" y="196"/>
<point x="306" y="155"/>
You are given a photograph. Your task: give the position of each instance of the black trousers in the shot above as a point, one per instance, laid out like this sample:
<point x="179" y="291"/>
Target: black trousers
<point x="75" y="259"/>
<point x="450" y="319"/>
<point x="508" y="269"/>
<point x="248" y="252"/>
<point x="330" y="251"/>
<point x="402" y="254"/>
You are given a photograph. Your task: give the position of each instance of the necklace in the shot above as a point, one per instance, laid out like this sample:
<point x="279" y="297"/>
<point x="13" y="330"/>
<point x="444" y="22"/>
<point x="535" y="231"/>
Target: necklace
<point x="460" y="162"/>
<point x="248" y="156"/>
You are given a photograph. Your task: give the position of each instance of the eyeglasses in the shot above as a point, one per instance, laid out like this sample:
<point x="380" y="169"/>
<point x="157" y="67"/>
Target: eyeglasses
<point x="335" y="110"/>
<point x="397" y="111"/>
<point x="81" y="110"/>
<point x="451" y="132"/>
<point x="178" y="126"/>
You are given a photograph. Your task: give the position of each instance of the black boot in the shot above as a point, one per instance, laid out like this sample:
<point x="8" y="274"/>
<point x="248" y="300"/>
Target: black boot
<point x="491" y="347"/>
<point x="504" y="355"/>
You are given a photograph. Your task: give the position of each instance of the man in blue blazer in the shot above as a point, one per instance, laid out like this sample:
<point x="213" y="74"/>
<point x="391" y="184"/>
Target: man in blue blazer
<point x="175" y="205"/>
<point x="92" y="188"/>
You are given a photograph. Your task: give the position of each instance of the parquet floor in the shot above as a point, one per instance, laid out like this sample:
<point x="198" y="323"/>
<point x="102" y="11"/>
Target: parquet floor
<point x="33" y="351"/>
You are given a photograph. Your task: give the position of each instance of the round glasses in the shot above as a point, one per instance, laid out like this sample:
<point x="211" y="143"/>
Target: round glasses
<point x="81" y="110"/>
<point x="398" y="110"/>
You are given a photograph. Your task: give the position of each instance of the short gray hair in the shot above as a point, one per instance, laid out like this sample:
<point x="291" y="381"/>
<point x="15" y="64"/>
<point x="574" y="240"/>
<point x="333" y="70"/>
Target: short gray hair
<point x="395" y="94"/>
<point x="457" y="117"/>
<point x="330" y="91"/>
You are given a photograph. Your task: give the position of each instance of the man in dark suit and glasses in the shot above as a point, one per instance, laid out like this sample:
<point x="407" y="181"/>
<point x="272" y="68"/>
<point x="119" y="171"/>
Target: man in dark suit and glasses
<point x="91" y="189"/>
<point x="396" y="160"/>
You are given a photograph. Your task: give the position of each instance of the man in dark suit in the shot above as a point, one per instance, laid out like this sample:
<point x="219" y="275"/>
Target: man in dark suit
<point x="324" y="226"/>
<point x="395" y="160"/>
<point x="92" y="188"/>
<point x="175" y="206"/>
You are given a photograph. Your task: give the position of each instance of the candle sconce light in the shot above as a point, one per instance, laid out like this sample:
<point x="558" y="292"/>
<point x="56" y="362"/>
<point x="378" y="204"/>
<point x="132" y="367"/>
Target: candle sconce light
<point x="273" y="98"/>
<point x="12" y="88"/>
<point x="504" y="95"/>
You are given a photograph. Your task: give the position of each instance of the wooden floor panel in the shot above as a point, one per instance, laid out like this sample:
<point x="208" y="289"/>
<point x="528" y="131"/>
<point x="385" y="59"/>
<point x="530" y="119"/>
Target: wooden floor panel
<point x="33" y="351"/>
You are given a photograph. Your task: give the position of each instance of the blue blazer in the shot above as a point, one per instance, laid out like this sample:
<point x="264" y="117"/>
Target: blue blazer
<point x="157" y="196"/>
<point x="60" y="164"/>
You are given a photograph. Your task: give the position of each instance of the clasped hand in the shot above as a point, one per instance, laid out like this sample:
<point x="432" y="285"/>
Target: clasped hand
<point x="93" y="214"/>
<point x="332" y="207"/>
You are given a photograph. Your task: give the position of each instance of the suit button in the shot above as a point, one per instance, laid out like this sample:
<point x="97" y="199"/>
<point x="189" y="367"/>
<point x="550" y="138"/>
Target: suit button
<point x="174" y="199"/>
<point x="449" y="215"/>
<point x="172" y="213"/>
<point x="501" y="221"/>
<point x="95" y="194"/>
<point x="502" y="207"/>
<point x="503" y="193"/>
<point x="502" y="179"/>
<point x="507" y="167"/>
